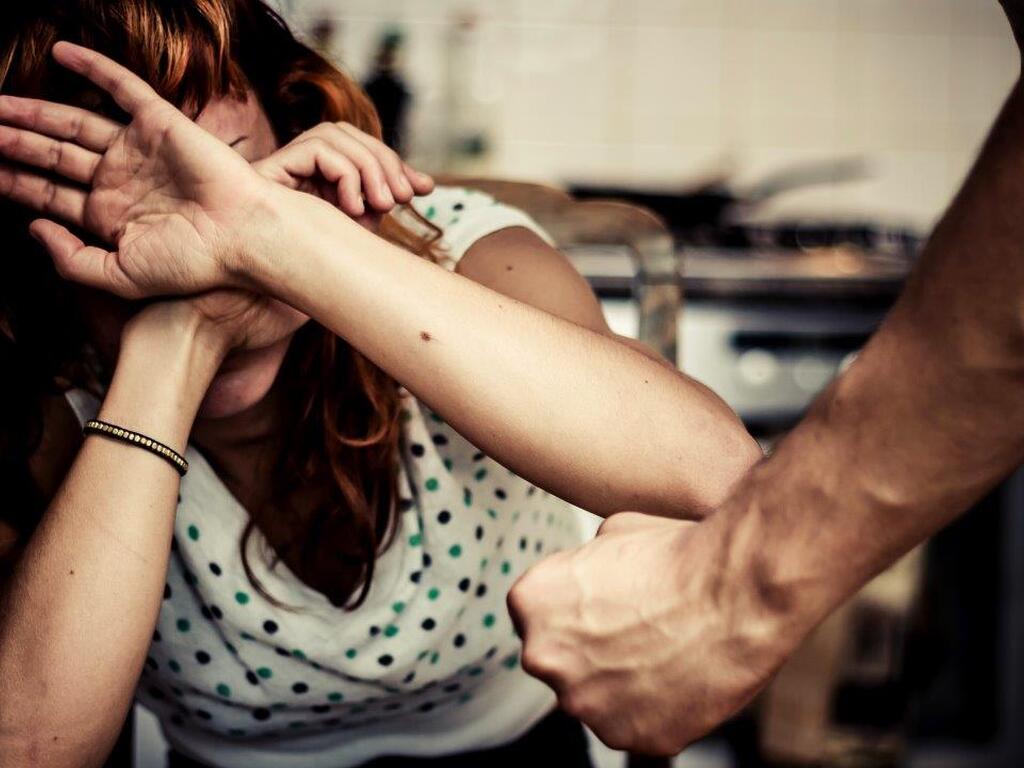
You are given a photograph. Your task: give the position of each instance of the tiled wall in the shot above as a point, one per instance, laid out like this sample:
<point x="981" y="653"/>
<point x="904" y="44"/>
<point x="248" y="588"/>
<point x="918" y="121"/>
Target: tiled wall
<point x="668" y="91"/>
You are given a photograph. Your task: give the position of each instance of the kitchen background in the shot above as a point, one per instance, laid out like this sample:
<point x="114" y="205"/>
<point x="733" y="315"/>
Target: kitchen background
<point x="798" y="151"/>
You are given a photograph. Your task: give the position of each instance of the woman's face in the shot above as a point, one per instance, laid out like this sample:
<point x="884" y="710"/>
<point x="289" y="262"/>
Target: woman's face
<point x="246" y="376"/>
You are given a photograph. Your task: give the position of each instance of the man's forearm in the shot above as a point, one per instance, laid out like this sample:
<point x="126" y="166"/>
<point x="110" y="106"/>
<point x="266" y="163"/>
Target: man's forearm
<point x="928" y="418"/>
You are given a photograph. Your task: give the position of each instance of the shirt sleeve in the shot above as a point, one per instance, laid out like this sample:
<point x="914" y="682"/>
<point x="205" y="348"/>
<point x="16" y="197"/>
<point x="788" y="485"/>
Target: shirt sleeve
<point x="464" y="216"/>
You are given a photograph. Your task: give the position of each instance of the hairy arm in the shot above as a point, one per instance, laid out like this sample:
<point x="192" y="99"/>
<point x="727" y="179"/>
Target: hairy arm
<point x="518" y="360"/>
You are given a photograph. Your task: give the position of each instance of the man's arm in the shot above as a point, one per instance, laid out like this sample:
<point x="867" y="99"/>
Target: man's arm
<point x="928" y="418"/>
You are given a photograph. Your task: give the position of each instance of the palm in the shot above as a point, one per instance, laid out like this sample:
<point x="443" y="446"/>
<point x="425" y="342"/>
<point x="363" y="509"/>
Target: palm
<point x="248" y="320"/>
<point x="164" y="194"/>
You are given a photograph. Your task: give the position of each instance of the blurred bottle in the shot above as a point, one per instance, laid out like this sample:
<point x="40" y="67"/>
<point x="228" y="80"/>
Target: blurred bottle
<point x="388" y="90"/>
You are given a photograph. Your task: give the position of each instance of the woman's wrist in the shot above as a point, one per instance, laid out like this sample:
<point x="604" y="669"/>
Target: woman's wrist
<point x="168" y="357"/>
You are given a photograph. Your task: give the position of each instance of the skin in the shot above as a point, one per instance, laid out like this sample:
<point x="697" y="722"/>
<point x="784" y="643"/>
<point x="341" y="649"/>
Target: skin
<point x="177" y="212"/>
<point x="927" y="419"/>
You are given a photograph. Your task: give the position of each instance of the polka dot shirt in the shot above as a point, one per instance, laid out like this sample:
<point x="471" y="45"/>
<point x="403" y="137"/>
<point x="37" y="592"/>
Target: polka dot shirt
<point x="429" y="664"/>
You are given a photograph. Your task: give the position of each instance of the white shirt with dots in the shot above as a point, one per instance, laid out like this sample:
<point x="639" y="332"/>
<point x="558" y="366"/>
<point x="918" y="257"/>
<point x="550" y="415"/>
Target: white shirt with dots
<point x="427" y="665"/>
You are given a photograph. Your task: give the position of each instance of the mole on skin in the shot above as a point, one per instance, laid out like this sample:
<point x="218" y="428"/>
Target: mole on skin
<point x="425" y="336"/>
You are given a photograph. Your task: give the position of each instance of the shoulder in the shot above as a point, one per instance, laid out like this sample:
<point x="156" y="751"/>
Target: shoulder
<point x="466" y="216"/>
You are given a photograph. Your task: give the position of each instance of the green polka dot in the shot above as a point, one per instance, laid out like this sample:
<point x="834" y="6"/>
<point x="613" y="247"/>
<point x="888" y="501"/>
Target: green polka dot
<point x="279" y="706"/>
<point x="193" y="533"/>
<point x="506" y="567"/>
<point x="436" y="418"/>
<point x="230" y="647"/>
<point x="398" y="607"/>
<point x="299" y="654"/>
<point x="467" y="497"/>
<point x="296" y="724"/>
<point x="433" y="593"/>
<point x="236" y="732"/>
<point x="431" y="212"/>
<point x="434" y="657"/>
<point x="465" y="697"/>
<point x="422" y="655"/>
<point x="476" y="671"/>
<point x="390" y="630"/>
<point x="175" y="666"/>
<point x="431" y="484"/>
<point x="405" y="416"/>
<point x="183" y="625"/>
<point x="480" y="474"/>
<point x="224" y="690"/>
<point x="511" y="662"/>
<point x="265" y="673"/>
<point x="551" y="519"/>
<point x="455" y="550"/>
<point x="335" y="696"/>
<point x="448" y="464"/>
<point x="493" y="514"/>
<point x="241" y="598"/>
<point x="351" y="653"/>
<point x="247" y="636"/>
<point x="489" y="620"/>
<point x="415" y="540"/>
<point x="516" y="515"/>
<point x="483" y="563"/>
<point x="358" y="710"/>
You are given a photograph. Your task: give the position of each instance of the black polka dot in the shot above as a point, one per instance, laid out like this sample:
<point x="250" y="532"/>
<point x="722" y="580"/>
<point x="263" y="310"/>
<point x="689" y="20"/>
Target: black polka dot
<point x="374" y="630"/>
<point x="174" y="543"/>
<point x="206" y="612"/>
<point x="444" y="517"/>
<point x="451" y="688"/>
<point x="300" y="688"/>
<point x="538" y="546"/>
<point x="464" y="584"/>
<point x="458" y="207"/>
<point x="261" y="713"/>
<point x="202" y="714"/>
<point x="167" y="591"/>
<point x="391" y="706"/>
<point x="500" y="493"/>
<point x="385" y="660"/>
<point x="460" y="640"/>
<point x="478" y="456"/>
<point x="251" y="677"/>
<point x="217" y="612"/>
<point x="440" y="440"/>
<point x="283" y="651"/>
<point x="190" y="578"/>
<point x="270" y="626"/>
<point x="500" y="542"/>
<point x="151" y="663"/>
<point x="479" y="532"/>
<point x="321" y="709"/>
<point x="332" y="721"/>
<point x="202" y="657"/>
<point x="428" y="624"/>
<point x="215" y="569"/>
<point x="531" y="490"/>
<point x="522" y="543"/>
<point x="409" y="678"/>
<point x="426" y="706"/>
<point x="177" y="720"/>
<point x="481" y="590"/>
<point x="177" y="691"/>
<point x="491" y="653"/>
<point x="404" y="505"/>
<point x="156" y="636"/>
<point x="426" y="560"/>
<point x="417" y="450"/>
<point x="156" y="693"/>
<point x="415" y="577"/>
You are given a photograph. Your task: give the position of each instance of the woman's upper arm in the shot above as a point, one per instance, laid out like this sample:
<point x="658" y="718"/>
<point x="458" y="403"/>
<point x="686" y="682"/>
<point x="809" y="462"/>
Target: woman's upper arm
<point x="517" y="263"/>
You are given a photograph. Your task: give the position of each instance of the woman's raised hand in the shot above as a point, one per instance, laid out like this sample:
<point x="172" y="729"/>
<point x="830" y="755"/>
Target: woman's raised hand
<point x="170" y="198"/>
<point x="356" y="172"/>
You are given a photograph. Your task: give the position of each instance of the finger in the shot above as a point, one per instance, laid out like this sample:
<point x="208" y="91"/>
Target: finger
<point x="81" y="263"/>
<point x="41" y="194"/>
<point x="422" y="183"/>
<point x="388" y="159"/>
<point x="59" y="157"/>
<point x="336" y="168"/>
<point x="374" y="178"/>
<point x="90" y="130"/>
<point x="129" y="90"/>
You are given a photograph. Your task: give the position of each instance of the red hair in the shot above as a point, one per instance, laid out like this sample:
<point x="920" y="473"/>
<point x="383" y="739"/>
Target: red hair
<point x="342" y="430"/>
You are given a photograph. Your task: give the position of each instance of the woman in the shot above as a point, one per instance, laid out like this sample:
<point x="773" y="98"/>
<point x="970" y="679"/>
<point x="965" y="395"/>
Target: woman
<point x="326" y="584"/>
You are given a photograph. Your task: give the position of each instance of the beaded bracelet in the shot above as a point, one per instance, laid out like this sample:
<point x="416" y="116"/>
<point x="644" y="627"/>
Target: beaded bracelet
<point x="175" y="459"/>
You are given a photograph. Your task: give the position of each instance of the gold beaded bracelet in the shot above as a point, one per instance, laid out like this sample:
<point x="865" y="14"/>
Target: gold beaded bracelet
<point x="175" y="459"/>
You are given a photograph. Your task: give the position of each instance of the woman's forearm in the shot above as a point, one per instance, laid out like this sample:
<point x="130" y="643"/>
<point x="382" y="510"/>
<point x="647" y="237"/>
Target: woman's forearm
<point x="573" y="411"/>
<point x="78" y="615"/>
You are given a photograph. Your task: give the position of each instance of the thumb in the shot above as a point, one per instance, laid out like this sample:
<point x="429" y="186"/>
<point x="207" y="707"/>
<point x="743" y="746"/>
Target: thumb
<point x="81" y="263"/>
